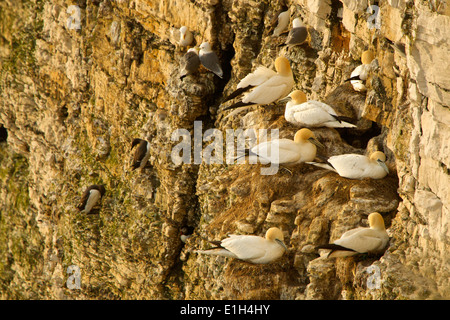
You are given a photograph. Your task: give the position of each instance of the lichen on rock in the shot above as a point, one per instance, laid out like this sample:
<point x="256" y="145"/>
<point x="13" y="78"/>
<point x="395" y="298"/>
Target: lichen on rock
<point x="80" y="80"/>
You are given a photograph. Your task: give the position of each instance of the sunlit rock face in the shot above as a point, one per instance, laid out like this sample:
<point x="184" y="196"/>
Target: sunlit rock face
<point x="80" y="80"/>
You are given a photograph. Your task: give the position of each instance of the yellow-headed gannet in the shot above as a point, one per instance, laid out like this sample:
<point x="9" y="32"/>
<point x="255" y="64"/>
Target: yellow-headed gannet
<point x="90" y="198"/>
<point x="360" y="240"/>
<point x="250" y="248"/>
<point x="189" y="62"/>
<point x="266" y="85"/>
<point x="312" y="113"/>
<point x="209" y="59"/>
<point x="142" y="153"/>
<point x="287" y="151"/>
<point x="359" y="75"/>
<point x="357" y="166"/>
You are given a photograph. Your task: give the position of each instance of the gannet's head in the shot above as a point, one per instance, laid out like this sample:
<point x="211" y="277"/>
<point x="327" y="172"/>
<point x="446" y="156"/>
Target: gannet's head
<point x="282" y="66"/>
<point x="367" y="57"/>
<point x="380" y="158"/>
<point x="275" y="234"/>
<point x="376" y="221"/>
<point x="304" y="135"/>
<point x="298" y="96"/>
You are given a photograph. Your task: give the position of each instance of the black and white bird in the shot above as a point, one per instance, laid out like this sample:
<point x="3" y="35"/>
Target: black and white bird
<point x="185" y="233"/>
<point x="360" y="74"/>
<point x="298" y="34"/>
<point x="91" y="197"/>
<point x="209" y="59"/>
<point x="189" y="63"/>
<point x="142" y="153"/>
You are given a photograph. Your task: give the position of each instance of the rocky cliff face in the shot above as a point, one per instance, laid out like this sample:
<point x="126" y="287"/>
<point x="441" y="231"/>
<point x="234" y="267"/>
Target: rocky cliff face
<point x="80" y="79"/>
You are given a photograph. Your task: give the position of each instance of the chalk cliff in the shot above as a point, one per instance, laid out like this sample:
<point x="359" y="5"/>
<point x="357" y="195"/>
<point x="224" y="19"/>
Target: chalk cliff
<point x="80" y="79"/>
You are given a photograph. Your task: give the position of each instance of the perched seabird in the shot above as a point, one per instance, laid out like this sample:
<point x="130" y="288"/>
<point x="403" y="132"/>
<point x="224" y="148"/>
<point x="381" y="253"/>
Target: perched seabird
<point x="189" y="63"/>
<point x="266" y="85"/>
<point x="283" y="22"/>
<point x="287" y="151"/>
<point x="360" y="240"/>
<point x="142" y="153"/>
<point x="312" y="113"/>
<point x="359" y="75"/>
<point x="186" y="37"/>
<point x="186" y="232"/>
<point x="298" y="34"/>
<point x="90" y="198"/>
<point x="209" y="59"/>
<point x="250" y="248"/>
<point x="357" y="166"/>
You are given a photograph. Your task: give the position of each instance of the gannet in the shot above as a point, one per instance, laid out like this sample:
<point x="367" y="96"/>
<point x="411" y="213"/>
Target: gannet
<point x="189" y="63"/>
<point x="250" y="248"/>
<point x="286" y="151"/>
<point x="297" y="35"/>
<point x="186" y="37"/>
<point x="360" y="73"/>
<point x="357" y="166"/>
<point x="209" y="59"/>
<point x="283" y="22"/>
<point x="142" y="153"/>
<point x="360" y="240"/>
<point x="90" y="198"/>
<point x="312" y="113"/>
<point x="266" y="85"/>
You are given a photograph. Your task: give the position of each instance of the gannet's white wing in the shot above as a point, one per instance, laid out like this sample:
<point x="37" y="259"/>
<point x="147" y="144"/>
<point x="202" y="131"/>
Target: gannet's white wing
<point x="257" y="77"/>
<point x="245" y="247"/>
<point x="363" y="240"/>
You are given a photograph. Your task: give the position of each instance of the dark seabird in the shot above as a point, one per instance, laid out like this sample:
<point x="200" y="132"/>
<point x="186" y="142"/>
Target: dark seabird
<point x="90" y="197"/>
<point x="209" y="59"/>
<point x="142" y="153"/>
<point x="189" y="63"/>
<point x="186" y="232"/>
<point x="298" y="34"/>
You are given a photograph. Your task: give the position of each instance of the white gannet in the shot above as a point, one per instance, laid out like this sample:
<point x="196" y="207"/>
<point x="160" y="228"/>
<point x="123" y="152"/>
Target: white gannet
<point x="90" y="198"/>
<point x="209" y="59"/>
<point x="142" y="153"/>
<point x="283" y="22"/>
<point x="189" y="62"/>
<point x="360" y="240"/>
<point x="186" y="37"/>
<point x="287" y="151"/>
<point x="297" y="35"/>
<point x="266" y="85"/>
<point x="360" y="73"/>
<point x="250" y="248"/>
<point x="312" y="113"/>
<point x="357" y="166"/>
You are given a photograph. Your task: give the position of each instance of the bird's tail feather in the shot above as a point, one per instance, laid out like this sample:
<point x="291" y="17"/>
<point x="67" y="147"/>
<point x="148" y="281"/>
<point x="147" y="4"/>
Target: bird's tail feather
<point x="236" y="93"/>
<point x="237" y="105"/>
<point x="353" y="78"/>
<point x="322" y="165"/>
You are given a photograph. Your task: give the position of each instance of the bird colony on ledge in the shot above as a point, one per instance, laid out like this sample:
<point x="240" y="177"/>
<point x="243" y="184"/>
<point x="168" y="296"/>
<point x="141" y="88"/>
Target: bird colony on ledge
<point x="263" y="87"/>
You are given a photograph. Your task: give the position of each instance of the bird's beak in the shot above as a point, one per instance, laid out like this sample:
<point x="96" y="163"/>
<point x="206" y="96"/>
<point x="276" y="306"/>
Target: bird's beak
<point x="316" y="142"/>
<point x="281" y="243"/>
<point x="383" y="165"/>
